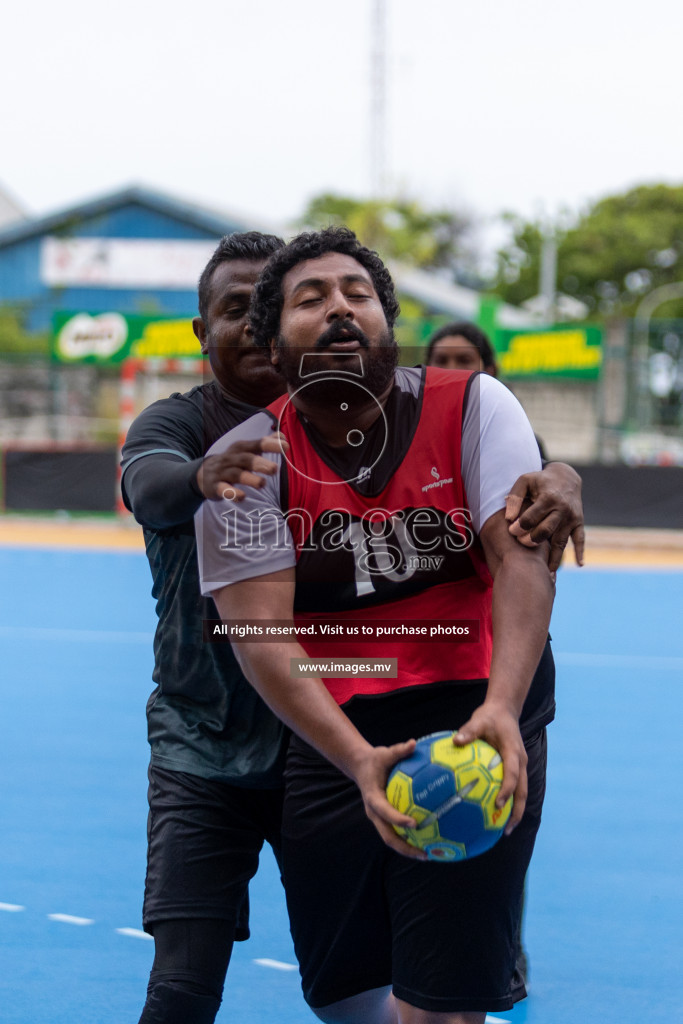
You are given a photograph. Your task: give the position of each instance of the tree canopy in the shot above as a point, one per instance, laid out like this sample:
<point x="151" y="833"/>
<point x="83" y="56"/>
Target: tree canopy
<point x="609" y="257"/>
<point x="400" y="229"/>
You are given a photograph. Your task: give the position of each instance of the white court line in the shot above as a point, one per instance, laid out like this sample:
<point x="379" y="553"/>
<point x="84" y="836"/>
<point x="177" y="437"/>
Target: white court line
<point x="278" y="965"/>
<point x="619" y="660"/>
<point x="95" y="636"/>
<point x="68" y="919"/>
<point x="135" y="933"/>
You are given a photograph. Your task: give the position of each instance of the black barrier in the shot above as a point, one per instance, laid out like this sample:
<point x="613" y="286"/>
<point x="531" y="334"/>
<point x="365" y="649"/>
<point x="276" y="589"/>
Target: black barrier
<point x="84" y="480"/>
<point x="80" y="480"/>
<point x="633" y="496"/>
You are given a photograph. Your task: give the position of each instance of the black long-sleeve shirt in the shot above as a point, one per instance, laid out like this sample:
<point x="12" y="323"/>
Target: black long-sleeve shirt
<point x="203" y="717"/>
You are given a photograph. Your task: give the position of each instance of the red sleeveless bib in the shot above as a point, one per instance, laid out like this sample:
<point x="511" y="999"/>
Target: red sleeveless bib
<point x="405" y="554"/>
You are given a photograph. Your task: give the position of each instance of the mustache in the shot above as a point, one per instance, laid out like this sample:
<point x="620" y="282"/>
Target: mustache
<point x="340" y="330"/>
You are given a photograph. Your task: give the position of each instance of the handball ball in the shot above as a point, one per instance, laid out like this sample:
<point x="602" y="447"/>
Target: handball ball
<point x="451" y="793"/>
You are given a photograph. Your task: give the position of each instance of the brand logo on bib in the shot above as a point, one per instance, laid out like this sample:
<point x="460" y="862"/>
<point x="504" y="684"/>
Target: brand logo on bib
<point x="438" y="480"/>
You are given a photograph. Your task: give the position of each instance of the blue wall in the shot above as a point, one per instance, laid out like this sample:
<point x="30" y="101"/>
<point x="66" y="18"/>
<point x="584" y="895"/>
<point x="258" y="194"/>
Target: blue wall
<point x="20" y="282"/>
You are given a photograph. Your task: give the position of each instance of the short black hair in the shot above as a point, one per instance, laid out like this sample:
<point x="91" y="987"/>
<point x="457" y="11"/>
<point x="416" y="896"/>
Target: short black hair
<point x="266" y="299"/>
<point x="244" y="245"/>
<point x="471" y="333"/>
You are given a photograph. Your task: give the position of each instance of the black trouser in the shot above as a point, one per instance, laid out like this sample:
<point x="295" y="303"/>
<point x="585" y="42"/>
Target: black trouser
<point x="190" y="962"/>
<point x="204" y="841"/>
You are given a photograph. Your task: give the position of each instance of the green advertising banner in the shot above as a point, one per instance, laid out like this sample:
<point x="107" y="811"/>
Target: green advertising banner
<point x="560" y="351"/>
<point x="105" y="338"/>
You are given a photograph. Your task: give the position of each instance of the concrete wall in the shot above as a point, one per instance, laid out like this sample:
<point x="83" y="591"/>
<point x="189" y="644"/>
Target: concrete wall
<point x="564" y="415"/>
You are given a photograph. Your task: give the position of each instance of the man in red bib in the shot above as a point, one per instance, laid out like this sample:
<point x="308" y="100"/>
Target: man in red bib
<point x="387" y="514"/>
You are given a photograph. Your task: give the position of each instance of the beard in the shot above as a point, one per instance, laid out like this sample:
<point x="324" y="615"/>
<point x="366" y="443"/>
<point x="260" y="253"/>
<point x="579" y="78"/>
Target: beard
<point x="338" y="378"/>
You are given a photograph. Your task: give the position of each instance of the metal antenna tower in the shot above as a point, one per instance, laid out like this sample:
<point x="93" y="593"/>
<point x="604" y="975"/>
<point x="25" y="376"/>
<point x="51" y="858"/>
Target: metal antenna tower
<point x="378" y="99"/>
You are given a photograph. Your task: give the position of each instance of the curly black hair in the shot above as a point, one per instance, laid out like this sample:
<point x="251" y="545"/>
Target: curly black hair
<point x="242" y="245"/>
<point x="471" y="333"/>
<point x="266" y="299"/>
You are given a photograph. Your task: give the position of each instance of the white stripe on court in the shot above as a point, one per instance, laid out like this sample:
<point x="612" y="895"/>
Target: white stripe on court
<point x="277" y="965"/>
<point x="68" y="919"/>
<point x="619" y="660"/>
<point x="135" y="933"/>
<point x="95" y="636"/>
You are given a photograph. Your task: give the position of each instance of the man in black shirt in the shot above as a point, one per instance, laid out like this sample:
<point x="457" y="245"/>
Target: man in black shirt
<point x="216" y="751"/>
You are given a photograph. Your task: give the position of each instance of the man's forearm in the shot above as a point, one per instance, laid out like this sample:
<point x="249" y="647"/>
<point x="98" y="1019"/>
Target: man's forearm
<point x="523" y="595"/>
<point x="303" y="704"/>
<point x="522" y="601"/>
<point x="162" y="492"/>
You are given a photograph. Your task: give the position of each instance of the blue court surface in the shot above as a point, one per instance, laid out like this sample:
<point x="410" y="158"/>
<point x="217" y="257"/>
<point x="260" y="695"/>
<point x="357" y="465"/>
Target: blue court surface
<point x="605" y="905"/>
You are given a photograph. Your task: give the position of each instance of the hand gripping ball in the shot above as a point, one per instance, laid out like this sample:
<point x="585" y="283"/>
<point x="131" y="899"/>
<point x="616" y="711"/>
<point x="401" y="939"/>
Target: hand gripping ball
<point x="451" y="793"/>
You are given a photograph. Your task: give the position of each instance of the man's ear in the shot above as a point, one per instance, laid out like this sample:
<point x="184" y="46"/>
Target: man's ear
<point x="274" y="354"/>
<point x="199" y="328"/>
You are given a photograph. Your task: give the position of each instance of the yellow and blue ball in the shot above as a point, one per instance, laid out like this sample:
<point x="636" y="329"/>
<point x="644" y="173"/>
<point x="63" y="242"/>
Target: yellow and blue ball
<point x="451" y="793"/>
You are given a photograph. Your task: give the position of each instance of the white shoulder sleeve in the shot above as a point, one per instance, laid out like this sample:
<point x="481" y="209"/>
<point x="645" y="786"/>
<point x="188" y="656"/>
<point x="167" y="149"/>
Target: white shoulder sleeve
<point x="498" y="445"/>
<point x="239" y="540"/>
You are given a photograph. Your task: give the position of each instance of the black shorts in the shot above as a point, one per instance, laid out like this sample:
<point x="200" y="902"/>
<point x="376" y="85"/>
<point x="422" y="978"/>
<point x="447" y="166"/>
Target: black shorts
<point x="203" y="843"/>
<point x="364" y="917"/>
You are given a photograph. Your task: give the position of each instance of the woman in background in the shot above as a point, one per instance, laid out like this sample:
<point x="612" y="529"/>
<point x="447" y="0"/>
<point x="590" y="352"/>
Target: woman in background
<point x="461" y="346"/>
<point x="464" y="346"/>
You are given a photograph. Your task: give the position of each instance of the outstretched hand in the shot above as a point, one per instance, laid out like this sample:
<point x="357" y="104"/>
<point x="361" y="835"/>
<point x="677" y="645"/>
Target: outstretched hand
<point x="371" y="778"/>
<point x="555" y="511"/>
<point x="499" y="727"/>
<point x="241" y="464"/>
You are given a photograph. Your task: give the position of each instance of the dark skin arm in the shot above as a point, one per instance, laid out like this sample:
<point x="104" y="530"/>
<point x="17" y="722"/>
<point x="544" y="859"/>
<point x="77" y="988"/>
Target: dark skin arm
<point x="241" y="464"/>
<point x="163" y="491"/>
<point x="523" y="593"/>
<point x="305" y="705"/>
<point x="554" y="512"/>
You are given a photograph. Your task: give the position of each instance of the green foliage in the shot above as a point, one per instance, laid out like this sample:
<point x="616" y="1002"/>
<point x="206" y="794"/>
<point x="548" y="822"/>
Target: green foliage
<point x="609" y="257"/>
<point x="15" y="340"/>
<point x="399" y="229"/>
<point x="519" y="262"/>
